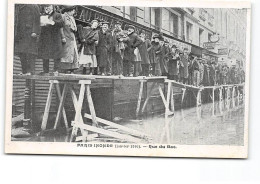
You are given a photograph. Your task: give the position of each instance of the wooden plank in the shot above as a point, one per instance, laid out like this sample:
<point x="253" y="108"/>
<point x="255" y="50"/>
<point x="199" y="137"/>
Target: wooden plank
<point x="61" y="105"/>
<point x="47" y="108"/>
<point x="63" y="109"/>
<point x="75" y="102"/>
<point x="78" y="111"/>
<point x="148" y="97"/>
<point x="62" y="77"/>
<point x="108" y="133"/>
<point x="162" y="96"/>
<point x="114" y="125"/>
<point x="91" y="106"/>
<point x="139" y="98"/>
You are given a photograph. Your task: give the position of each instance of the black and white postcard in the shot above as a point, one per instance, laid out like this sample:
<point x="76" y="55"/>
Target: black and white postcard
<point x="153" y="78"/>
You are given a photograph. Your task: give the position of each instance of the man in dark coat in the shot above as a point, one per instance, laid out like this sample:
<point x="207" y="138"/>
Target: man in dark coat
<point x="212" y="74"/>
<point x="132" y="41"/>
<point x="118" y="48"/>
<point x="164" y="53"/>
<point x="103" y="49"/>
<point x="28" y="31"/>
<point x="184" y="62"/>
<point x="173" y="63"/>
<point x="51" y="39"/>
<point x="156" y="53"/>
<point x="143" y="48"/>
<point x="206" y="80"/>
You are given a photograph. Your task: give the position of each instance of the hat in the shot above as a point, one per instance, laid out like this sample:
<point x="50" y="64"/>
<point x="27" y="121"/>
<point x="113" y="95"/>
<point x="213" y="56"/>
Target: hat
<point x="104" y="22"/>
<point x="174" y="46"/>
<point x="156" y="36"/>
<point x="118" y="22"/>
<point x="142" y="32"/>
<point x="131" y="27"/>
<point x="67" y="8"/>
<point x="94" y="20"/>
<point x="161" y="36"/>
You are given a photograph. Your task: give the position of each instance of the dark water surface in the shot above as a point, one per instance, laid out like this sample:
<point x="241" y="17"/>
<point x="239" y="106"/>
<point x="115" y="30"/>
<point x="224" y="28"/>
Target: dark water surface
<point x="205" y="125"/>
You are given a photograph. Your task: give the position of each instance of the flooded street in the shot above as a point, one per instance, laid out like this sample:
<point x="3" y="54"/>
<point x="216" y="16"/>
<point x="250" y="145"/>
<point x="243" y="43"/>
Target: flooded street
<point x="191" y="126"/>
<point x="197" y="126"/>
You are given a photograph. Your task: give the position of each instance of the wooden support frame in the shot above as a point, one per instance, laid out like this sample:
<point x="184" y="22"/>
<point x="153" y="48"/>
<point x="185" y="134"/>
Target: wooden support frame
<point x="61" y="110"/>
<point x="143" y="85"/>
<point x="120" y="127"/>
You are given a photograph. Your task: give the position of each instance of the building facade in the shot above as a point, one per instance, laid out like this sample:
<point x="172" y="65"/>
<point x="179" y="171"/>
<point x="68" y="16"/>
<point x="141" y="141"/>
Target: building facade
<point x="218" y="32"/>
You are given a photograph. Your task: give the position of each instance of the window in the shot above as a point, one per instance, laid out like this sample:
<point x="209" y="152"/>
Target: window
<point x="200" y="37"/>
<point x="209" y="36"/>
<point x="133" y="13"/>
<point x="202" y="14"/>
<point x="175" y="20"/>
<point x="147" y="14"/>
<point x="188" y="32"/>
<point x="155" y="18"/>
<point x="174" y="24"/>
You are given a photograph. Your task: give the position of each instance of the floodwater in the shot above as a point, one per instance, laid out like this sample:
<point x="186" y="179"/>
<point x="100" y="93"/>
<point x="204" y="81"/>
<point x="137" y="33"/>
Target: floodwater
<point x="208" y="124"/>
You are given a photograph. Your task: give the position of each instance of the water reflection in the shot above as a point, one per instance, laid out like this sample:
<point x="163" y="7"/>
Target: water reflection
<point x="219" y="123"/>
<point x="208" y="124"/>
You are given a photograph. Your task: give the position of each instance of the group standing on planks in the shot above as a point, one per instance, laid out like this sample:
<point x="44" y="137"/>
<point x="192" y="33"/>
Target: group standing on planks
<point x="43" y="31"/>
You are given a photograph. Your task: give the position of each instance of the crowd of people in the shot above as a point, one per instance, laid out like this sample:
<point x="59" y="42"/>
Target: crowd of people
<point x="42" y="32"/>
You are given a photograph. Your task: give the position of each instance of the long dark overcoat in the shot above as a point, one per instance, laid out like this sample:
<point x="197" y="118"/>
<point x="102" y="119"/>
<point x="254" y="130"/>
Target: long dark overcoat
<point x="143" y="49"/>
<point x="28" y="22"/>
<point x="103" y="48"/>
<point x="90" y="36"/>
<point x="50" y="45"/>
<point x="132" y="41"/>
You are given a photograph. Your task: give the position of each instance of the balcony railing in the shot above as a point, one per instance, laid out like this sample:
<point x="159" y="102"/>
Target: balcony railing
<point x="202" y="14"/>
<point x="210" y="20"/>
<point x="192" y="10"/>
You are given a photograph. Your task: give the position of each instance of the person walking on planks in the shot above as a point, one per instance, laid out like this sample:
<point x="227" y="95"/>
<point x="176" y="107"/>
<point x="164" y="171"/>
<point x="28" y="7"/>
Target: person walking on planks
<point x="70" y="59"/>
<point x="27" y="36"/>
<point x="51" y="38"/>
<point x="89" y="37"/>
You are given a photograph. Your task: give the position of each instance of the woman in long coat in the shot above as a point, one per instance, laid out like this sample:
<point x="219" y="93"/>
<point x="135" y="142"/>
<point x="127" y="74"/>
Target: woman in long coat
<point x="51" y="39"/>
<point x="70" y="58"/>
<point x="27" y="33"/>
<point x="89" y="37"/>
